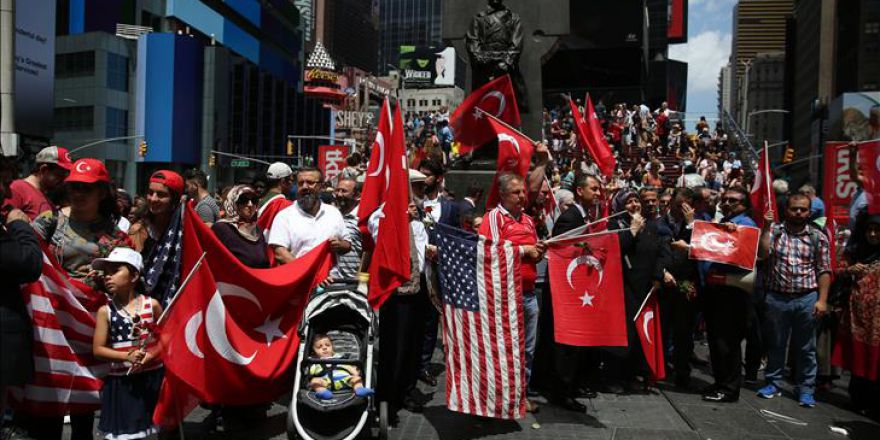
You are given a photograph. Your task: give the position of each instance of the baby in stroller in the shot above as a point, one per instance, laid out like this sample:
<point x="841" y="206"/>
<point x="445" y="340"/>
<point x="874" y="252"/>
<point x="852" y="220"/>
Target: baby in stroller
<point x="324" y="379"/>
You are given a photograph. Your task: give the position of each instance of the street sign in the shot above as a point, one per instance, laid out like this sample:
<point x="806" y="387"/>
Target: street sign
<point x="239" y="163"/>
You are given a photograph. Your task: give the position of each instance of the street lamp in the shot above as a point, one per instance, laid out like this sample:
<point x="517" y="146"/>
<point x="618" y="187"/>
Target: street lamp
<point x="758" y="112"/>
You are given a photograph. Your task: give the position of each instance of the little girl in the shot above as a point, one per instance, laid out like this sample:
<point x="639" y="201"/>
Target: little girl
<point x="122" y="332"/>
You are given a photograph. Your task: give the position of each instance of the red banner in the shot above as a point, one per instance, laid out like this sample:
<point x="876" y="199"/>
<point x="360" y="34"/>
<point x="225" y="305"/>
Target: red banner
<point x="331" y="160"/>
<point x="869" y="163"/>
<point x="587" y="288"/>
<point x="713" y="242"/>
<point x="838" y="187"/>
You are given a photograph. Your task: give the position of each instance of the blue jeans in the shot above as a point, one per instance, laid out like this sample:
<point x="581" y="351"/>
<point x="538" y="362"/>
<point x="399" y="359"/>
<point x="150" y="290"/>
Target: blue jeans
<point x="530" y="319"/>
<point x="791" y="315"/>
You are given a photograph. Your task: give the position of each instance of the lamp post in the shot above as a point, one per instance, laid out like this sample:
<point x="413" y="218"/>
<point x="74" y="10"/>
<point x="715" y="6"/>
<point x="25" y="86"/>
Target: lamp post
<point x="758" y="112"/>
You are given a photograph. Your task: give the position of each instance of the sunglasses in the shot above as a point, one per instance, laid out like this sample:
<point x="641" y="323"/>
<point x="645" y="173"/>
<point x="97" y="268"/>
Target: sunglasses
<point x="247" y="198"/>
<point x="81" y="187"/>
<point x="731" y="200"/>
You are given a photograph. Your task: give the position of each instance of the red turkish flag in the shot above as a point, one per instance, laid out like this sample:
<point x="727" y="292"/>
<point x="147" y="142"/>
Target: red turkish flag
<point x="587" y="292"/>
<point x="221" y="357"/>
<point x="470" y="125"/>
<point x="869" y="162"/>
<point x="648" y="328"/>
<point x="762" y="196"/>
<point x="713" y="242"/>
<point x="386" y="199"/>
<point x="590" y="134"/>
<point x="514" y="156"/>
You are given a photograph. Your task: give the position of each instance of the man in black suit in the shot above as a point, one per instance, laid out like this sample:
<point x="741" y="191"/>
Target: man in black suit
<point x="437" y="209"/>
<point x="568" y="359"/>
<point x="468" y="205"/>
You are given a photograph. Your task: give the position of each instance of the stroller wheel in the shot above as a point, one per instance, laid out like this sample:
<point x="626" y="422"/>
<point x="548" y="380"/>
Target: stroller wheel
<point x="383" y="420"/>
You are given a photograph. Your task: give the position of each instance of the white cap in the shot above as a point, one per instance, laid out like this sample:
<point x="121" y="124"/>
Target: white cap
<point x="120" y="255"/>
<point x="279" y="170"/>
<point x="416" y="176"/>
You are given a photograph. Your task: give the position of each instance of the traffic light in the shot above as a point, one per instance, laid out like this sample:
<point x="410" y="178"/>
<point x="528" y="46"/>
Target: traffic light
<point x="289" y="147"/>
<point x="142" y="149"/>
<point x="788" y="156"/>
<point x="212" y="160"/>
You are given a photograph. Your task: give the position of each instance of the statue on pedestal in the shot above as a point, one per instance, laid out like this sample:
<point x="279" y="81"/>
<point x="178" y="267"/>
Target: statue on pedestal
<point x="495" y="43"/>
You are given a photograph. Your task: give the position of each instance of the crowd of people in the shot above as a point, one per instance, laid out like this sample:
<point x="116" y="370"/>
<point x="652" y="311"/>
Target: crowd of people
<point x="666" y="180"/>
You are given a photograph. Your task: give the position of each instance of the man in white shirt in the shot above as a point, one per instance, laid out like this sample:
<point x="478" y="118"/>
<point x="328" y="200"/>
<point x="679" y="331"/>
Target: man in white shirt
<point x="307" y="223"/>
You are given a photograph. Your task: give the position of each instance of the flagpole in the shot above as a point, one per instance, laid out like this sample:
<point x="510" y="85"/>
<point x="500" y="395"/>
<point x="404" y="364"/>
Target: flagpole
<point x="180" y="289"/>
<point x="510" y="127"/>
<point x="577" y="230"/>
<point x="650" y="292"/>
<point x="766" y="165"/>
<point x="577" y="237"/>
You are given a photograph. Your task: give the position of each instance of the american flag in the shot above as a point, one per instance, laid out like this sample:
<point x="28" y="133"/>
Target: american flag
<point x="483" y="329"/>
<point x="163" y="273"/>
<point x="67" y="377"/>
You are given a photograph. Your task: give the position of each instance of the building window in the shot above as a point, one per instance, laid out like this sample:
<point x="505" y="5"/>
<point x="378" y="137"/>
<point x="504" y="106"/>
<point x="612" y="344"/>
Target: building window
<point x="117" y="72"/>
<point x="76" y="64"/>
<point x="872" y="27"/>
<point x="410" y="103"/>
<point x="436" y="102"/>
<point x="117" y="122"/>
<point x="423" y="103"/>
<point x="80" y="118"/>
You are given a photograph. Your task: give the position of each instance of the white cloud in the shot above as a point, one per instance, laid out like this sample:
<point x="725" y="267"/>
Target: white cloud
<point x="711" y="5"/>
<point x="705" y="54"/>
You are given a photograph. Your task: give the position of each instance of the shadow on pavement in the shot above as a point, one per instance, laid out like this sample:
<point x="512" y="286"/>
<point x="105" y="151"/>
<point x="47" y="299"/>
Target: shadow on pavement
<point x="451" y="425"/>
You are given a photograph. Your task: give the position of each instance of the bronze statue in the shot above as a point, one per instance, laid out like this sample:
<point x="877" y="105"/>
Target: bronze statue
<point x="495" y="43"/>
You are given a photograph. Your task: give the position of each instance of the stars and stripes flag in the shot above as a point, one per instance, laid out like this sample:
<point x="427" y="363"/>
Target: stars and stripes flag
<point x="163" y="264"/>
<point x="483" y="333"/>
<point x="67" y="377"/>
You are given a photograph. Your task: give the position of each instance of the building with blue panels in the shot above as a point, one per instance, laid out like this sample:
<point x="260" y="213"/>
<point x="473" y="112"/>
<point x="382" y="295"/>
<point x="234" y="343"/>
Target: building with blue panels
<point x="191" y="76"/>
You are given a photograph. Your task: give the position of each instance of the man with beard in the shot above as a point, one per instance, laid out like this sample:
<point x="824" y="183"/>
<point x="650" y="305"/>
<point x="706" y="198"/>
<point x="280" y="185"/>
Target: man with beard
<point x="437" y="209"/>
<point x="798" y="275"/>
<point x="347" y="196"/>
<point x="31" y="193"/>
<point x="307" y="223"/>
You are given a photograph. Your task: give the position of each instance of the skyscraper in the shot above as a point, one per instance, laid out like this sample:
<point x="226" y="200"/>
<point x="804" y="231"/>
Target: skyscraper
<point x="407" y="22"/>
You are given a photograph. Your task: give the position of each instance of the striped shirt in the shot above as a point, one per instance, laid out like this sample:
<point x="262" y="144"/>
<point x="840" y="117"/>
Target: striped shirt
<point x="128" y="332"/>
<point x="347" y="264"/>
<point x="795" y="266"/>
<point x="499" y="224"/>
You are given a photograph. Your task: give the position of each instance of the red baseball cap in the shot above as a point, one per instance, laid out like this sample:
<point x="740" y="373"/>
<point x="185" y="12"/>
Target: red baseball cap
<point x="55" y="155"/>
<point x="88" y="171"/>
<point x="169" y="178"/>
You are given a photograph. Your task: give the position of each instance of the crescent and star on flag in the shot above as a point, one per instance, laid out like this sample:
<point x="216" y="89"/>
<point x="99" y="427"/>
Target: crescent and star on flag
<point x="588" y="261"/>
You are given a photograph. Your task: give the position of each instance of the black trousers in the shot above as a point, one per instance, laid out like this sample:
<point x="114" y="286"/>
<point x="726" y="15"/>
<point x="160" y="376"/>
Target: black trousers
<point x="401" y="332"/>
<point x="725" y="310"/>
<point x="754" y="333"/>
<point x="51" y="428"/>
<point x="681" y="315"/>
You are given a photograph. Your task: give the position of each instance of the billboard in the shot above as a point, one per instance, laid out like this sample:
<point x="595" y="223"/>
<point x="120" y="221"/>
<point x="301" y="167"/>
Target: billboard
<point x="35" y="68"/>
<point x="677" y="29"/>
<point x="427" y="66"/>
<point x="331" y="160"/>
<point x="854" y="117"/>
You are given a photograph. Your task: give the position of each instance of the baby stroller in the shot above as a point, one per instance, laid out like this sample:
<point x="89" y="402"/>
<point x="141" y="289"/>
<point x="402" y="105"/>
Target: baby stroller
<point x="346" y="317"/>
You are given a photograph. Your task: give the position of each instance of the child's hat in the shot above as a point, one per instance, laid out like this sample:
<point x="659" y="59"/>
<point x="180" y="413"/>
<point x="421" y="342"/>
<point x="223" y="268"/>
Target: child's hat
<point x="120" y="255"/>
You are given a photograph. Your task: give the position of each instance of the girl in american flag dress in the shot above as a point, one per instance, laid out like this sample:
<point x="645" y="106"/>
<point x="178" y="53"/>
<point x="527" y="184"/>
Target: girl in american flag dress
<point x="122" y="335"/>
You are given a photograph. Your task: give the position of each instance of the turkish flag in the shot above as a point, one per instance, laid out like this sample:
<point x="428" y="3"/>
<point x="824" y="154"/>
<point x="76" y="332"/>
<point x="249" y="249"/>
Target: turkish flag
<point x="590" y="134"/>
<point x="386" y="198"/>
<point x="268" y="213"/>
<point x="762" y="196"/>
<point x="713" y="242"/>
<point x="470" y="125"/>
<point x="230" y="335"/>
<point x="587" y="293"/>
<point x="869" y="162"/>
<point x="514" y="156"/>
<point x="648" y="328"/>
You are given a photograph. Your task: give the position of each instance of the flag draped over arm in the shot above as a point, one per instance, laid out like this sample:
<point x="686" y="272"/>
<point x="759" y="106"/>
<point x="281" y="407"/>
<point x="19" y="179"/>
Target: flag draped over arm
<point x="483" y="333"/>
<point x="162" y="266"/>
<point x="67" y="377"/>
<point x="230" y="336"/>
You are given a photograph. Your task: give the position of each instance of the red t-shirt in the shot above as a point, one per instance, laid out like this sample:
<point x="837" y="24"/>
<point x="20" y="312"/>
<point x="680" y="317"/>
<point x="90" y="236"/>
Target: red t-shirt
<point x="29" y="199"/>
<point x="498" y="224"/>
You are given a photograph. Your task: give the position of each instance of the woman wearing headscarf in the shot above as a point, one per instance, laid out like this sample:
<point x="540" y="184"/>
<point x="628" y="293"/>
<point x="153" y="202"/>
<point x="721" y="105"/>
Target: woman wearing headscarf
<point x="239" y="231"/>
<point x="858" y="338"/>
<point x="644" y="252"/>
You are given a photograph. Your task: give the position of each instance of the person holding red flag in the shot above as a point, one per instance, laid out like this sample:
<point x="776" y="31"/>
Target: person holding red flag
<point x="645" y="253"/>
<point x="725" y="308"/>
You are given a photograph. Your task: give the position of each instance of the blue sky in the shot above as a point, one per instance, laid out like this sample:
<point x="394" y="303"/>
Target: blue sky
<point x="707" y="50"/>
